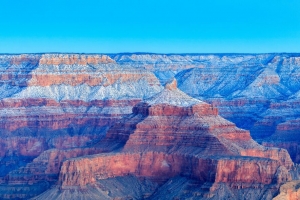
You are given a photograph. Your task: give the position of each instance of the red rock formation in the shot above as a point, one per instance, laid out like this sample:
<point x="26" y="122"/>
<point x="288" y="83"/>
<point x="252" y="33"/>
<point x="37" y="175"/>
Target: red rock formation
<point x="292" y="147"/>
<point x="289" y="191"/>
<point x="286" y="136"/>
<point x="280" y="155"/>
<point x="27" y="113"/>
<point x="165" y="140"/>
<point x="279" y="128"/>
<point x="161" y="166"/>
<point x="46" y="166"/>
<point x="23" y="146"/>
<point x="29" y="127"/>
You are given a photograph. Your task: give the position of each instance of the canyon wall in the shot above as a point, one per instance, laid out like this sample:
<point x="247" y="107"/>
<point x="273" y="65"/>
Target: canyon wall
<point x="171" y="135"/>
<point x="67" y="102"/>
<point x="258" y="92"/>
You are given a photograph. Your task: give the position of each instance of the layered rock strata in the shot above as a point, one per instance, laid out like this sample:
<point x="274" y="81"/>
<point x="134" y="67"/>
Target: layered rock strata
<point x="172" y="134"/>
<point x="63" y="103"/>
<point x="67" y="101"/>
<point x="250" y="90"/>
<point x="289" y="191"/>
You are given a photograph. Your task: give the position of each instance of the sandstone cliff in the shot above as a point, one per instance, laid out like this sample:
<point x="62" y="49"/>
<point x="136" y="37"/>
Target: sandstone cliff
<point x="289" y="191"/>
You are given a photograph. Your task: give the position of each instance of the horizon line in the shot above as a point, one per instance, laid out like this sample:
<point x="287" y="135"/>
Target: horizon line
<point x="245" y="53"/>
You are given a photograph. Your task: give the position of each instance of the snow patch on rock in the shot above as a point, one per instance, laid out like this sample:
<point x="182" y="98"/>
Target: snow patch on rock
<point x="173" y="96"/>
<point x="126" y="90"/>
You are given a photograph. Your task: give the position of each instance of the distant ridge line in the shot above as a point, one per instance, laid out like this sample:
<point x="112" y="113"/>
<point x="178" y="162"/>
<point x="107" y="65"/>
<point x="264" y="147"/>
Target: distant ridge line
<point x="144" y="53"/>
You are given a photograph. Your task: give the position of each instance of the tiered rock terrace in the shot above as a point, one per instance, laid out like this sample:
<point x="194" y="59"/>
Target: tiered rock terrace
<point x="63" y="102"/>
<point x="172" y="134"/>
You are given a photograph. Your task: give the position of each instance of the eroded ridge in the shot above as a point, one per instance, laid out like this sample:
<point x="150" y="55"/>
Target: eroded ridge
<point x="165" y="138"/>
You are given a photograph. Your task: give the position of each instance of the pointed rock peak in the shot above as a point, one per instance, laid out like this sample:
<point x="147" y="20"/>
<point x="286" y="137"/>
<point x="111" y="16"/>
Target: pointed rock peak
<point x="173" y="96"/>
<point x="171" y="85"/>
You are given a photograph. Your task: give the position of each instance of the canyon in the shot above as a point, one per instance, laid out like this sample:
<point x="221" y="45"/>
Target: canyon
<point x="74" y="124"/>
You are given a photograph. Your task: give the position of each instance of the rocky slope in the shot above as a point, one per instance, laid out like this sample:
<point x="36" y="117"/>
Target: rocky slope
<point x="68" y="101"/>
<point x="258" y="92"/>
<point x="289" y="191"/>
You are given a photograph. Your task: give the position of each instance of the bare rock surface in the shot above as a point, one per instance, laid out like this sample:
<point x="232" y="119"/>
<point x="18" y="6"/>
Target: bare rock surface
<point x="127" y="187"/>
<point x="289" y="191"/>
<point x="190" y="141"/>
<point x="67" y="102"/>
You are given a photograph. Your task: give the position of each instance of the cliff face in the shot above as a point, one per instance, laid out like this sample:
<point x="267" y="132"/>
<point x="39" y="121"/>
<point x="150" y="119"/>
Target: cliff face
<point x="69" y="101"/>
<point x="60" y="101"/>
<point x="172" y="134"/>
<point x="159" y="167"/>
<point x="259" y="92"/>
<point x="289" y="191"/>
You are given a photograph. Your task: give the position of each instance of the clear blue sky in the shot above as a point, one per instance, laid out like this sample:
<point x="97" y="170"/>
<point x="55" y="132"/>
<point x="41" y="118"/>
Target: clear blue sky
<point x="162" y="26"/>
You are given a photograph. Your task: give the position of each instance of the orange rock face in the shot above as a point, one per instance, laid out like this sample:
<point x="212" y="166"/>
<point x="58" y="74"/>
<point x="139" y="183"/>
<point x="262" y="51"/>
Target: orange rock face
<point x="251" y="170"/>
<point x="46" y="166"/>
<point x="23" y="146"/>
<point x="292" y="147"/>
<point x="280" y="155"/>
<point x="35" y="125"/>
<point x="289" y="191"/>
<point x="161" y="166"/>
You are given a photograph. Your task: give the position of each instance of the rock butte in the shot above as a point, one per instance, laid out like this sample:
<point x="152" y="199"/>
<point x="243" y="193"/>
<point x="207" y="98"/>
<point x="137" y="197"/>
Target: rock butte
<point x="171" y="135"/>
